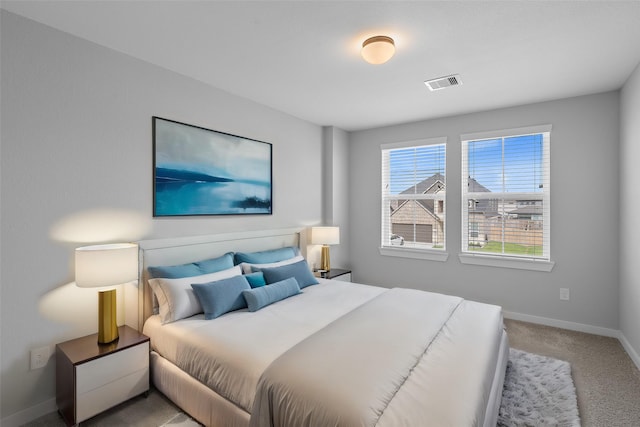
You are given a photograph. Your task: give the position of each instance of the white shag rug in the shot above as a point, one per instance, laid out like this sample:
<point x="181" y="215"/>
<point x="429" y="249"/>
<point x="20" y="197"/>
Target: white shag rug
<point x="538" y="391"/>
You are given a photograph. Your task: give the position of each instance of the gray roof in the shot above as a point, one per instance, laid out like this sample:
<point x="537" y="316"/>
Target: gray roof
<point x="488" y="207"/>
<point x="476" y="187"/>
<point x="425" y="186"/>
<point x="528" y="210"/>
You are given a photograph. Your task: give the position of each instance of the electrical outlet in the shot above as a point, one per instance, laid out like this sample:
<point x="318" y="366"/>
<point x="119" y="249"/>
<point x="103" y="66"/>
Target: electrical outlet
<point x="564" y="294"/>
<point x="40" y="357"/>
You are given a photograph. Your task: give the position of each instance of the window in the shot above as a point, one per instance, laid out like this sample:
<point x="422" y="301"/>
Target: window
<point x="473" y="230"/>
<point x="505" y="196"/>
<point x="413" y="198"/>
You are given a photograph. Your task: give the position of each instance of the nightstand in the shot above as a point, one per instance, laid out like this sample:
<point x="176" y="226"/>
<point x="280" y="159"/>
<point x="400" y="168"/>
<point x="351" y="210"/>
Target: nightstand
<point x="92" y="377"/>
<point x="340" y="274"/>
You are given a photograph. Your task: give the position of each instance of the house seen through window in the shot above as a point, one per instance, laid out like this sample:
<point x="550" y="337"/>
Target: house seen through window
<point x="505" y="190"/>
<point x="413" y="195"/>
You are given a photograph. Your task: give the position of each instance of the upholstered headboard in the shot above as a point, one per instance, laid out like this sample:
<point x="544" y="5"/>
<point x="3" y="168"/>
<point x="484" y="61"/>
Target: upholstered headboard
<point x="181" y="250"/>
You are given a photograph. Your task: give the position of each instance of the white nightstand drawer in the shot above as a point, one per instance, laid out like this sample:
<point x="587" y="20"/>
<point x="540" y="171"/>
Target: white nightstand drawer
<point x="98" y="372"/>
<point x="93" y="377"/>
<point x="100" y="399"/>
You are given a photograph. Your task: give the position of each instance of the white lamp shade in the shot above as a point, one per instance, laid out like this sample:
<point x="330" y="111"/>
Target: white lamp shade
<point x="378" y="49"/>
<point x="325" y="235"/>
<point x="106" y="265"/>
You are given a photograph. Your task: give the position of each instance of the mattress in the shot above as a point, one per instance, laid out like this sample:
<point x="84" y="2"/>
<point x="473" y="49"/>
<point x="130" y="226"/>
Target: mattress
<point x="258" y="361"/>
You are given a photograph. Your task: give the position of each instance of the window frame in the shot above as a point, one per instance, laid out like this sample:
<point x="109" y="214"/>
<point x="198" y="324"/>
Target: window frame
<point x="385" y="198"/>
<point x="537" y="263"/>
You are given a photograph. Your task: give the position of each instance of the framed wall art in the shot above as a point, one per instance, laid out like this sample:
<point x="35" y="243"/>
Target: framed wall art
<point x="200" y="171"/>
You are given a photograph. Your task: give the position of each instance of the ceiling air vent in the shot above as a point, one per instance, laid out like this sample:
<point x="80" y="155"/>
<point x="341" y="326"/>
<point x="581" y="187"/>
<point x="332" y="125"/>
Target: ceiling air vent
<point x="444" y="82"/>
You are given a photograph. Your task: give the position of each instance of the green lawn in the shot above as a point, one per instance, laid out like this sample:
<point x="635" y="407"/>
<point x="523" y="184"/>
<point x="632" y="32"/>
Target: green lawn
<point x="509" y="248"/>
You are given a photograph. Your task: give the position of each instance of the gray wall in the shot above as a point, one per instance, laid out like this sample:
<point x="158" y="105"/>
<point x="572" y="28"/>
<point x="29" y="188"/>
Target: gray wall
<point x="584" y="213"/>
<point x="630" y="202"/>
<point x="76" y="139"/>
<point x="335" y="194"/>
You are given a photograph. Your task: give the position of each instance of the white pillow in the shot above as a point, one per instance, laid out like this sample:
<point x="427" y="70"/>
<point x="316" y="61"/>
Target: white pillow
<point x="176" y="299"/>
<point x="246" y="267"/>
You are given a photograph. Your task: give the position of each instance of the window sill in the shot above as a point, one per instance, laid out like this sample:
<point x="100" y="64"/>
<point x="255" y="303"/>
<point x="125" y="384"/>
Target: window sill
<point x="431" y="255"/>
<point x="505" y="262"/>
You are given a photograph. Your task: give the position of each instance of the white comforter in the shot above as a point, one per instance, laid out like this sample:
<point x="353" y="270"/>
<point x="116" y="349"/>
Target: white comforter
<point x="229" y="353"/>
<point x="345" y="354"/>
<point x="405" y="358"/>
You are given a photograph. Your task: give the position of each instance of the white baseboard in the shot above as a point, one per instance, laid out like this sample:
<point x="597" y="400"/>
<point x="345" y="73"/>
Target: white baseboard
<point x="572" y="326"/>
<point x="579" y="327"/>
<point x="630" y="350"/>
<point x="29" y="414"/>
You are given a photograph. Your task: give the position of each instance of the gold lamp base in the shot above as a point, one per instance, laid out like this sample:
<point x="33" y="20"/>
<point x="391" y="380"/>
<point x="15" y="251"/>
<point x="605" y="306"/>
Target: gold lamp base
<point x="325" y="260"/>
<point x="107" y="326"/>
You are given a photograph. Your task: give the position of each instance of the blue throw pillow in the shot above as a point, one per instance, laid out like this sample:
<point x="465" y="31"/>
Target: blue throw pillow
<point x="300" y="270"/>
<point x="174" y="271"/>
<point x="255" y="279"/>
<point x="222" y="296"/>
<point x="263" y="296"/>
<point x="265" y="257"/>
<point x="193" y="269"/>
<point x="216" y="264"/>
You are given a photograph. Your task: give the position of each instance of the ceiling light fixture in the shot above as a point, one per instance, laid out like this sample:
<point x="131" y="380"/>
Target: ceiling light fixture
<point x="378" y="49"/>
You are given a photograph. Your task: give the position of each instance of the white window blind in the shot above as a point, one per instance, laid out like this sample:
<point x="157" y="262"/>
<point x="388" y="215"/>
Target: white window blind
<point x="506" y="193"/>
<point x="413" y="195"/>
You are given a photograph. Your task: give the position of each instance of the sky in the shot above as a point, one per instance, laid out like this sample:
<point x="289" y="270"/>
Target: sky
<point x="412" y="165"/>
<point x="513" y="164"/>
<point x="521" y="170"/>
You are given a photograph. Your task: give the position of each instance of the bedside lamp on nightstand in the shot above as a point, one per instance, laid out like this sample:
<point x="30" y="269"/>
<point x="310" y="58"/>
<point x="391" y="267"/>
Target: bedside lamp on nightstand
<point x="325" y="236"/>
<point x="103" y="266"/>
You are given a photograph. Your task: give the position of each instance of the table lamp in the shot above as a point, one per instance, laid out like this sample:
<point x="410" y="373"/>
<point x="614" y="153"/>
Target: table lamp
<point x="325" y="236"/>
<point x="103" y="266"/>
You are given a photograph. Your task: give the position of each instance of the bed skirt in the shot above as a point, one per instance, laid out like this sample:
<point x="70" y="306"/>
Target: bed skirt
<point x="193" y="397"/>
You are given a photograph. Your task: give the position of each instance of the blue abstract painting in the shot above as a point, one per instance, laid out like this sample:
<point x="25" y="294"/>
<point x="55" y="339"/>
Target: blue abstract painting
<point x="199" y="171"/>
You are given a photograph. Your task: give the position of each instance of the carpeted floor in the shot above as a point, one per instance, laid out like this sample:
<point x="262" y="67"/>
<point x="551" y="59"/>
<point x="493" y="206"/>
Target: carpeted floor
<point x="606" y="380"/>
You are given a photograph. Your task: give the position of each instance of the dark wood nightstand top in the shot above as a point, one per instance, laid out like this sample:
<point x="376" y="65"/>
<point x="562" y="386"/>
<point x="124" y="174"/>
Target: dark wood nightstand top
<point x="84" y="349"/>
<point x="334" y="272"/>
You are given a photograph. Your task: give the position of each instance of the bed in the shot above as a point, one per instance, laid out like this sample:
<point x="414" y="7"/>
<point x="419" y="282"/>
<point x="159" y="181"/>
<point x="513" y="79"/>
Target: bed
<point x="330" y="354"/>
